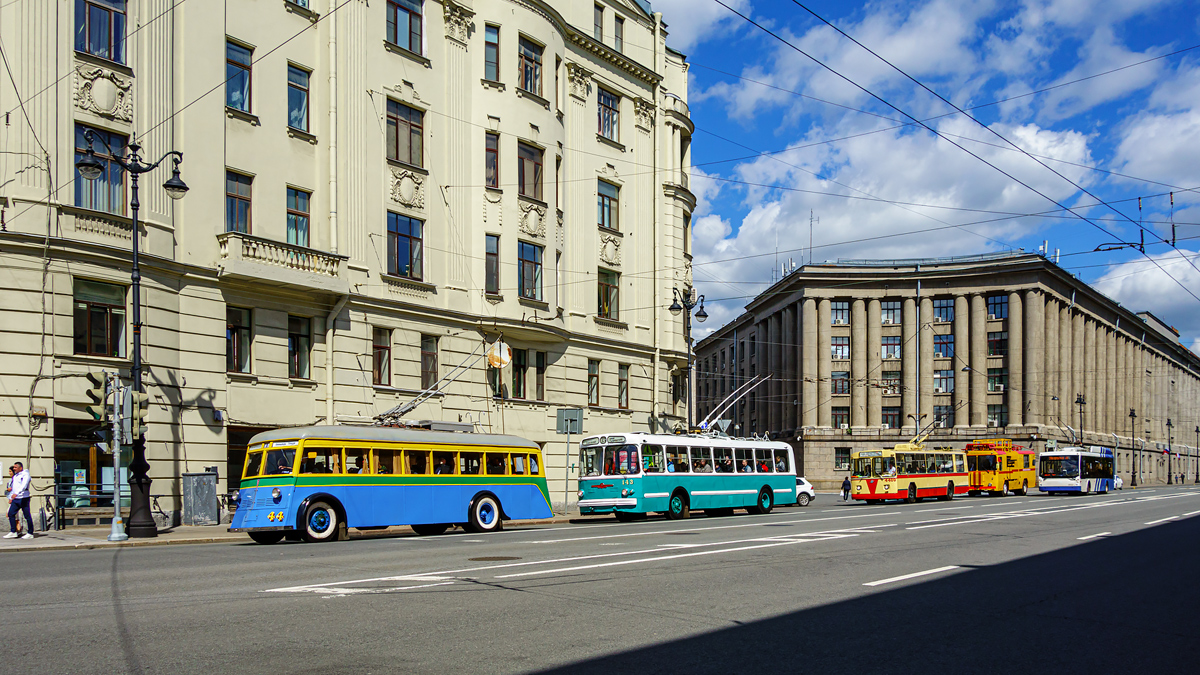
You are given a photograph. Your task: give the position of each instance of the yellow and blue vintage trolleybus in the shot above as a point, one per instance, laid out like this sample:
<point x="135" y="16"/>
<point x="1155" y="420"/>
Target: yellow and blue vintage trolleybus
<point x="313" y="482"/>
<point x="636" y="473"/>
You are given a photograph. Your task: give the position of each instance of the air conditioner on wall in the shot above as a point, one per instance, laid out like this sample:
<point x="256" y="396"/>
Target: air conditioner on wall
<point x="845" y="427"/>
<point x="1000" y="388"/>
<point x="993" y="423"/>
<point x="839" y="322"/>
<point x="887" y="321"/>
<point x="991" y="317"/>
<point x="937" y="355"/>
<point x="939" y="390"/>
<point x="885" y="426"/>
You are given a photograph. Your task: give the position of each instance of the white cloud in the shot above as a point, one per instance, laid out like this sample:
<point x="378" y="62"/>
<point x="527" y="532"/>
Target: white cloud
<point x="690" y="22"/>
<point x="1162" y="147"/>
<point x="1141" y="286"/>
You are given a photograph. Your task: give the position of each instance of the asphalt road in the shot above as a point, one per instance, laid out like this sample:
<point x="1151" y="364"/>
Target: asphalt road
<point x="1069" y="584"/>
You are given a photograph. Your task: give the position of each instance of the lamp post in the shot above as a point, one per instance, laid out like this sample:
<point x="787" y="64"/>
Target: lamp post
<point x="1079" y="401"/>
<point x="1133" y="449"/>
<point x="685" y="302"/>
<point x="1169" y="481"/>
<point x="141" y="523"/>
<point x="1197" y="455"/>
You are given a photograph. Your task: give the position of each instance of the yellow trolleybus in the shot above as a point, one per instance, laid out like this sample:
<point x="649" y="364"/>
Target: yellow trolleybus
<point x="908" y="471"/>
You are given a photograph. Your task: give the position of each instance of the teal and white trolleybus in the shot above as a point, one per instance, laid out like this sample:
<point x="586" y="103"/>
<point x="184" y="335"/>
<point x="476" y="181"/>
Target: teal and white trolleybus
<point x="635" y="473"/>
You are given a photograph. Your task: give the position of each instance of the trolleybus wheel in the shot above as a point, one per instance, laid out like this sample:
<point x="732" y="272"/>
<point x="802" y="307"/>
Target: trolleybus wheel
<point x="1006" y="492"/>
<point x="678" y="508"/>
<point x="266" y="537"/>
<point x="1024" y="488"/>
<point x="430" y="529"/>
<point x="912" y="494"/>
<point x="802" y="500"/>
<point x="764" y="503"/>
<point x="949" y="492"/>
<point x="485" y="515"/>
<point x="320" y="523"/>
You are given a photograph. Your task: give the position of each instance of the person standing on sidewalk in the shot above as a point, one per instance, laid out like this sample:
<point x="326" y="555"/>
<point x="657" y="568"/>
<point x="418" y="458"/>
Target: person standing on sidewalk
<point x="846" y="488"/>
<point x="18" y="501"/>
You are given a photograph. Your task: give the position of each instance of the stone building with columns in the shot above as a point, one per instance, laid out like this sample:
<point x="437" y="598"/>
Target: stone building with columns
<point x="999" y="345"/>
<point x="378" y="192"/>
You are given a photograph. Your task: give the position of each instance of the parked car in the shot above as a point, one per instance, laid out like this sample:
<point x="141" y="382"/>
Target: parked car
<point x="1119" y="483"/>
<point x="804" y="492"/>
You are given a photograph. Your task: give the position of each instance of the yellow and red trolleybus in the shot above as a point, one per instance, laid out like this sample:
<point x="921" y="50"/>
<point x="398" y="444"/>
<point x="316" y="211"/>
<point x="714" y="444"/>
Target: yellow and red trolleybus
<point x="998" y="467"/>
<point x="908" y="471"/>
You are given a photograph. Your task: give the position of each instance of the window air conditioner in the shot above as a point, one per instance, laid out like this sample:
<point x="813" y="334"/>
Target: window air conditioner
<point x="939" y="390"/>
<point x="937" y="355"/>
<point x="991" y="317"/>
<point x="887" y="320"/>
<point x="1000" y="388"/>
<point x="885" y="426"/>
<point x="839" y="322"/>
<point x="993" y="423"/>
<point x="845" y="427"/>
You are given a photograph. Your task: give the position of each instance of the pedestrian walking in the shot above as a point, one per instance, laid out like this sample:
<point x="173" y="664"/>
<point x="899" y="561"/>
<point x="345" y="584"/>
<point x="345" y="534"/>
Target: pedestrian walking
<point x="18" y="501"/>
<point x="846" y="488"/>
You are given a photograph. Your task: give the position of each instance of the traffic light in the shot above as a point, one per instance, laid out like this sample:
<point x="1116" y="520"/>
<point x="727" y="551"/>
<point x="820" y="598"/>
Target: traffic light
<point x="98" y="395"/>
<point x="136" y="408"/>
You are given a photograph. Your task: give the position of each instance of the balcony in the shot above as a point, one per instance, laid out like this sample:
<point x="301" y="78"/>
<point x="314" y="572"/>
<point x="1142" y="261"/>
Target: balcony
<point x="276" y="263"/>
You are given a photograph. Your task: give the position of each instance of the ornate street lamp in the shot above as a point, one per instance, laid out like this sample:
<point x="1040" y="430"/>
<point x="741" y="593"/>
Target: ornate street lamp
<point x="1169" y="481"/>
<point x="685" y="302"/>
<point x="1133" y="448"/>
<point x="1080" y="402"/>
<point x="1198" y="455"/>
<point x="141" y="523"/>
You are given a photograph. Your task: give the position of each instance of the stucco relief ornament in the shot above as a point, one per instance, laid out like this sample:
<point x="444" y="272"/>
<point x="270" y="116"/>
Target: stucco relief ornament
<point x="533" y="219"/>
<point x="687" y="274"/>
<point x="644" y="113"/>
<point x="408" y="188"/>
<point x="104" y="92"/>
<point x="577" y="80"/>
<point x="457" y="20"/>
<point x="610" y="249"/>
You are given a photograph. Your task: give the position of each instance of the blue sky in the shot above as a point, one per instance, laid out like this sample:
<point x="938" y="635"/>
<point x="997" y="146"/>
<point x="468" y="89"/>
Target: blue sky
<point x="848" y="158"/>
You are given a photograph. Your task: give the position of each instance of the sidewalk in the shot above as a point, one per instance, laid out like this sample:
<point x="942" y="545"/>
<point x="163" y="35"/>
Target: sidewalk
<point x="83" y="538"/>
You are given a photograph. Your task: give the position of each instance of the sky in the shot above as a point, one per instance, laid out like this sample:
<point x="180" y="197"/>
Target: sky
<point x="1086" y="105"/>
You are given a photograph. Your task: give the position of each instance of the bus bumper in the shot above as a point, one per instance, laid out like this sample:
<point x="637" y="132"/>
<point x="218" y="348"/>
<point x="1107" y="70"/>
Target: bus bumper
<point x="592" y="506"/>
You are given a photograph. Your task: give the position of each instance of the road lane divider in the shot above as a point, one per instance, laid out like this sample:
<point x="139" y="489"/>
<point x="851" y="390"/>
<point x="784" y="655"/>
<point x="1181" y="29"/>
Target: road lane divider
<point x="1093" y="536"/>
<point x="914" y="575"/>
<point x="1162" y="520"/>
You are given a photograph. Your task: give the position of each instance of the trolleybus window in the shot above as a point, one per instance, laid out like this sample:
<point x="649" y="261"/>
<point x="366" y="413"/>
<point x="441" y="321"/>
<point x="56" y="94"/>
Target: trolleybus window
<point x="652" y="459"/>
<point x="677" y="459"/>
<point x="444" y="462"/>
<point x="279" y="461"/>
<point x="723" y="460"/>
<point x="468" y="463"/>
<point x="781" y="461"/>
<point x="981" y="462"/>
<point x="958" y="462"/>
<point x="518" y="465"/>
<point x="764" y="460"/>
<point x="496" y="463"/>
<point x="388" y="462"/>
<point x="321" y="460"/>
<point x="533" y="465"/>
<point x="621" y="459"/>
<point x="591" y="460"/>
<point x="745" y="460"/>
<point x="1060" y="467"/>
<point x="253" y="463"/>
<point x="358" y="460"/>
<point x="702" y="460"/>
<point x="416" y="462"/>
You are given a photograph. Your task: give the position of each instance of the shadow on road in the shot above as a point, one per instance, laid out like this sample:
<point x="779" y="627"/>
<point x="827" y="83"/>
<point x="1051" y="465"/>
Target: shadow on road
<point x="1119" y="604"/>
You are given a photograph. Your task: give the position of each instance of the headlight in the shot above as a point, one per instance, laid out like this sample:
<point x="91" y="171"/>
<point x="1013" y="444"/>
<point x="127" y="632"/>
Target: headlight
<point x="624" y="493"/>
<point x="276" y="494"/>
<point x="581" y="493"/>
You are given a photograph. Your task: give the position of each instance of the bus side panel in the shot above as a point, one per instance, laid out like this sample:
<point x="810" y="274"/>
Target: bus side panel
<point x="654" y="493"/>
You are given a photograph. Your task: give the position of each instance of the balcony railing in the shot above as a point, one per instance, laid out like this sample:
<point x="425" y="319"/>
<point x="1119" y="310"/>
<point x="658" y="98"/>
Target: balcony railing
<point x="246" y="247"/>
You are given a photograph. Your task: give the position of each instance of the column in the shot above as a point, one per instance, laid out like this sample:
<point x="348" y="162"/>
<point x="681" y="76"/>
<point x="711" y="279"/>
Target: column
<point x="925" y="371"/>
<point x="908" y="356"/>
<point x="1014" y="394"/>
<point x="1052" y="353"/>
<point x="1065" y="367"/>
<point x="774" y="351"/>
<point x="1120" y="390"/>
<point x="1078" y="367"/>
<point x="978" y="373"/>
<point x="859" y="377"/>
<point x="823" y="353"/>
<point x="1091" y="409"/>
<point x="874" y="363"/>
<point x="1034" y="359"/>
<point x="787" y="373"/>
<point x="962" y="357"/>
<point x="809" y="351"/>
<point x="1104" y="423"/>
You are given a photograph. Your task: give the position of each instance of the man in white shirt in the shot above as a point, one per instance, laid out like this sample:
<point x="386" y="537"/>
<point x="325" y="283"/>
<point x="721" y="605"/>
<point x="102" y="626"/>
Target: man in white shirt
<point x="18" y="501"/>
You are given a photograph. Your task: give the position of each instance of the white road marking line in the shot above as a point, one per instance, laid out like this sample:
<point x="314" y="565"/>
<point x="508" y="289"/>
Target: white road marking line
<point x="703" y="529"/>
<point x="693" y="554"/>
<point x="1190" y="514"/>
<point x="911" y="576"/>
<point x="944" y="508"/>
<point x="1161" y="520"/>
<point x="983" y="518"/>
<point x="333" y="586"/>
<point x="1093" y="536"/>
<point x="611" y="543"/>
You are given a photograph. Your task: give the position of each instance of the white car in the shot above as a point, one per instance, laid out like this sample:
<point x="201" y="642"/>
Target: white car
<point x="804" y="492"/>
<point x="1119" y="483"/>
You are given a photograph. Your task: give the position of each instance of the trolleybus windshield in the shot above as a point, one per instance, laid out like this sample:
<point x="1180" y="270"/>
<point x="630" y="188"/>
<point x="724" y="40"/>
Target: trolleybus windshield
<point x="981" y="462"/>
<point x="610" y="460"/>
<point x="1060" y="467"/>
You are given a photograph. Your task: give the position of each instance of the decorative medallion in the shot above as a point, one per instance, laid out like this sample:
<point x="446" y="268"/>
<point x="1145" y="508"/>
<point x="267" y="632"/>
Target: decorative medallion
<point x="104" y="92"/>
<point x="533" y="219"/>
<point x="578" y="79"/>
<point x="610" y="249"/>
<point x="408" y="188"/>
<point x="644" y="113"/>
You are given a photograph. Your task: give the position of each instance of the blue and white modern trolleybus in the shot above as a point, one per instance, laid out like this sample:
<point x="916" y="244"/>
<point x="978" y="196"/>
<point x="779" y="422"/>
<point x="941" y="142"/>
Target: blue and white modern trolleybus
<point x="1076" y="469"/>
<point x="636" y="473"/>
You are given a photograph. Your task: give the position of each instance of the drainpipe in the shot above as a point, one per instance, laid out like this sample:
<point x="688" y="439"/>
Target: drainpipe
<point x="333" y="193"/>
<point x="657" y="190"/>
<point x="330" y="321"/>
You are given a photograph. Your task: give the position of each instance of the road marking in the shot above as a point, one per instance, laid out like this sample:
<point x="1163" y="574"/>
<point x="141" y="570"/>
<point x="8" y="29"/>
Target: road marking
<point x="914" y="575"/>
<point x="1022" y="513"/>
<point x="944" y="508"/>
<point x="338" y="588"/>
<point x="1161" y="520"/>
<point x="880" y="514"/>
<point x="1093" y="536"/>
<point x="1190" y="514"/>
